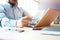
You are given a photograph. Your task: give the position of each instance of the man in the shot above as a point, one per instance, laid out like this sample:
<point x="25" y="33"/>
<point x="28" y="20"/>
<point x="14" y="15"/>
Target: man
<point x="13" y="15"/>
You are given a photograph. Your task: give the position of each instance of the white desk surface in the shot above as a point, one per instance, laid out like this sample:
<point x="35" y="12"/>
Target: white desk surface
<point x="29" y="34"/>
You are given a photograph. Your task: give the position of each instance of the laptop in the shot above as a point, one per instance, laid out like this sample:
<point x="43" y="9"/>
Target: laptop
<point x="45" y="22"/>
<point x="47" y="19"/>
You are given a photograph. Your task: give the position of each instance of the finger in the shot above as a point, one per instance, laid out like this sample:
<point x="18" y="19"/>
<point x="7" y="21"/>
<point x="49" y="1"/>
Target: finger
<point x="24" y="18"/>
<point x="24" y="24"/>
<point x="26" y="21"/>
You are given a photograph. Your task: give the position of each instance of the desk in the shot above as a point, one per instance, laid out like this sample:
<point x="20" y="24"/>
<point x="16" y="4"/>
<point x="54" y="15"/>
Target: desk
<point x="29" y="34"/>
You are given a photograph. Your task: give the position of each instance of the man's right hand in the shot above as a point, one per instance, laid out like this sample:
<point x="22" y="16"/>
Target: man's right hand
<point x="23" y="22"/>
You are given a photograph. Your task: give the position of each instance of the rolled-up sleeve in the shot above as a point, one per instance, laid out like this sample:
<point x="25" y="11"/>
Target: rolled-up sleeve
<point x="6" y="22"/>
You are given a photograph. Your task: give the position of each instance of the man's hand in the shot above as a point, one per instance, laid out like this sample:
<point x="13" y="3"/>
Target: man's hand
<point x="23" y="22"/>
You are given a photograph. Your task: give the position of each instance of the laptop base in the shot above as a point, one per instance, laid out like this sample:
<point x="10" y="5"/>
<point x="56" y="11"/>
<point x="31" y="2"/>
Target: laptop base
<point x="51" y="31"/>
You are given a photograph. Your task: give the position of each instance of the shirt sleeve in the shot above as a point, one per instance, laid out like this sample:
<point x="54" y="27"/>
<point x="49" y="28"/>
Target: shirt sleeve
<point x="6" y="22"/>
